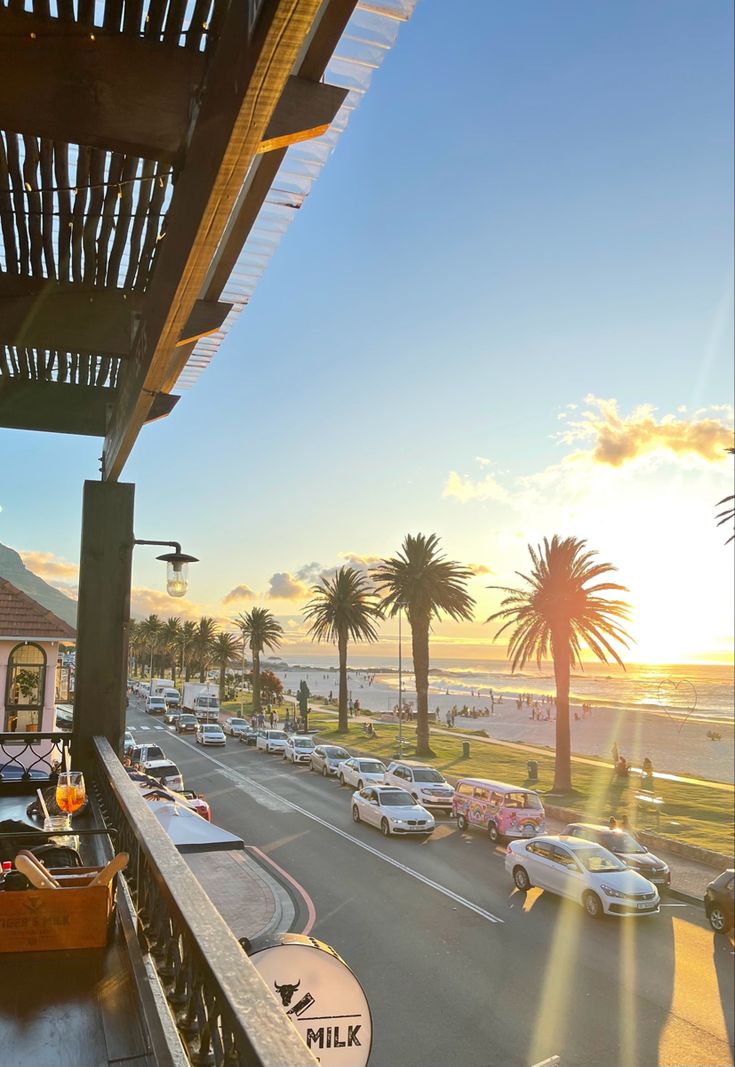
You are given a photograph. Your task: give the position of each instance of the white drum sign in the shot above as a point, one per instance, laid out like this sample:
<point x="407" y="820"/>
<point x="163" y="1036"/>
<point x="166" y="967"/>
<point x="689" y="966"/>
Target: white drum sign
<point x="321" y="996"/>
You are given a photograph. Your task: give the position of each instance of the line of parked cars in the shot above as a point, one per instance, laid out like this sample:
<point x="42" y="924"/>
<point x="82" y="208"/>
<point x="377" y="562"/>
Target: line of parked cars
<point x="154" y="773"/>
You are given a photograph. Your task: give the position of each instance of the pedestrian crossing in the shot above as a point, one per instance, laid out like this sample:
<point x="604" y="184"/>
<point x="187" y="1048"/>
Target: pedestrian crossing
<point x="157" y="726"/>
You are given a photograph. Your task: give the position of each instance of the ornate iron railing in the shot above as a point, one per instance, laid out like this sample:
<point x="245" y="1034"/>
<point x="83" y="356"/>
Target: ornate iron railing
<point x="225" y="1013"/>
<point x="31" y="760"/>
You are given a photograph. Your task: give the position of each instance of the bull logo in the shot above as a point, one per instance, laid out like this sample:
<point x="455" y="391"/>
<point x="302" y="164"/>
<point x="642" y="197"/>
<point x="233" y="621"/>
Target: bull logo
<point x="286" y="992"/>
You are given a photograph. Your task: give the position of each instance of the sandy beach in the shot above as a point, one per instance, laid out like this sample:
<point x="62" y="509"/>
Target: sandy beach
<point x="676" y="746"/>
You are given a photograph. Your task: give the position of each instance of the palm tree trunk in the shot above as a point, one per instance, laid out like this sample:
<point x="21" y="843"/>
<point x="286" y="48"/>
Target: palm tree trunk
<point x="420" y="648"/>
<point x="173" y="668"/>
<point x="222" y="668"/>
<point x="342" y="647"/>
<point x="256" y="681"/>
<point x="563" y="761"/>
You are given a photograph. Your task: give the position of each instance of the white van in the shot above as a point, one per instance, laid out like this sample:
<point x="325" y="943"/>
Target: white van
<point x="171" y="696"/>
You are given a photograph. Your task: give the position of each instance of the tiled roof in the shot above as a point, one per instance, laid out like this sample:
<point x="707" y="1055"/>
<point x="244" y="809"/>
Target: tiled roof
<point x="20" y="616"/>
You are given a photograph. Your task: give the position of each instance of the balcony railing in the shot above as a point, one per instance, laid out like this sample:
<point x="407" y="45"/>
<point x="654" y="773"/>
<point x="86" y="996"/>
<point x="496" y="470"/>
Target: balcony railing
<point x="225" y="1014"/>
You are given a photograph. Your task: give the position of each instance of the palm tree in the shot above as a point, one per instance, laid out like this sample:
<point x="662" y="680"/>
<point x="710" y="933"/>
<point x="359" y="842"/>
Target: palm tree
<point x="205" y="633"/>
<point x="150" y="636"/>
<point x="170" y="640"/>
<point x="427" y="585"/>
<point x="261" y="630"/>
<point x="343" y="608"/>
<point x="134" y="644"/>
<point x="729" y="513"/>
<point x="554" y="614"/>
<point x="224" y="647"/>
<point x="188" y="633"/>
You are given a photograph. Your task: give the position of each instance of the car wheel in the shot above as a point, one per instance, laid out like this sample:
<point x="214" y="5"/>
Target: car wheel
<point x="717" y="919"/>
<point x="360" y="784"/>
<point x="385" y="828"/>
<point x="355" y="813"/>
<point x="593" y="905"/>
<point x="521" y="879"/>
<point x="462" y="823"/>
<point x="493" y="832"/>
<point x="341" y="779"/>
<point x="325" y="772"/>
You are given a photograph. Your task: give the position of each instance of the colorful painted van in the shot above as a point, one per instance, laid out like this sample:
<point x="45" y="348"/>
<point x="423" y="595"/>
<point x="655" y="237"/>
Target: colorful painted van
<point x="503" y="810"/>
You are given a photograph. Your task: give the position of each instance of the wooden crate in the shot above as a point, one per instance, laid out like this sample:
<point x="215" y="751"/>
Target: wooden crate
<point x="46" y="920"/>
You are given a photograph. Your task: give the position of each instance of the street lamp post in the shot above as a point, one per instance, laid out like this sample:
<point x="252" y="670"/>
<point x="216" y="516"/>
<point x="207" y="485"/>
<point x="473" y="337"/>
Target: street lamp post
<point x="400" y="686"/>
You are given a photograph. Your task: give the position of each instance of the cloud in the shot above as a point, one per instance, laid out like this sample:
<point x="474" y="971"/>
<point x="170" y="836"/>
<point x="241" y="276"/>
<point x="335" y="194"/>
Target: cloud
<point x="286" y="586"/>
<point x="48" y="566"/>
<point x="309" y="572"/>
<point x="145" y="602"/>
<point x="615" y="439"/>
<point x="465" y="489"/>
<point x="479" y="568"/>
<point x="240" y="592"/>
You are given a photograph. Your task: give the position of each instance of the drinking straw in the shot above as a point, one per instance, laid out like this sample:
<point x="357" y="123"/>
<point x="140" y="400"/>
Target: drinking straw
<point x="42" y="802"/>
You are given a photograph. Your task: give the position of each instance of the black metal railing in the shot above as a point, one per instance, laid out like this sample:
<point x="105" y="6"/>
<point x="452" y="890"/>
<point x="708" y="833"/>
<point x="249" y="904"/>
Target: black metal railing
<point x="30" y="760"/>
<point x="225" y="1013"/>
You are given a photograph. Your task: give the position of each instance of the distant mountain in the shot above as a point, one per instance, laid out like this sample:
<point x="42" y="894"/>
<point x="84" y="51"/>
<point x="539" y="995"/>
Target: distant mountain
<point x="14" y="570"/>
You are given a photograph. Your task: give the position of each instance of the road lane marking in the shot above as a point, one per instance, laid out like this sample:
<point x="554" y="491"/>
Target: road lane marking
<point x="234" y="775"/>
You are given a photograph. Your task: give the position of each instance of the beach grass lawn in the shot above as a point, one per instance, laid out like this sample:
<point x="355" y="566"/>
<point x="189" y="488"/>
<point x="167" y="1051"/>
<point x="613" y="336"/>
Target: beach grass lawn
<point x="691" y="813"/>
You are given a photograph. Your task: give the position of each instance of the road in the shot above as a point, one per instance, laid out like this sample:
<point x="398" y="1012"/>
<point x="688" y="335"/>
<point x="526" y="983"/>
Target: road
<point x="459" y="967"/>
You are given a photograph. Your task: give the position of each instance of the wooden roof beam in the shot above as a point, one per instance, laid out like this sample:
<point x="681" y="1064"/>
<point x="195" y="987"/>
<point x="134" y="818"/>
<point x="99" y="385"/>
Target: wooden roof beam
<point x="61" y="407"/>
<point x="67" y="83"/>
<point x="246" y="81"/>
<point x="306" y="110"/>
<point x="38" y="313"/>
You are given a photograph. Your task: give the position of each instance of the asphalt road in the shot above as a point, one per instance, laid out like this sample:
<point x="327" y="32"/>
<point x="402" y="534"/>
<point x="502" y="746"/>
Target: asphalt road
<point x="458" y="966"/>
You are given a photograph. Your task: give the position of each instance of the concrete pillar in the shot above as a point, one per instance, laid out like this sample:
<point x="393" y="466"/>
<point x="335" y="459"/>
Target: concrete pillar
<point x="103" y="616"/>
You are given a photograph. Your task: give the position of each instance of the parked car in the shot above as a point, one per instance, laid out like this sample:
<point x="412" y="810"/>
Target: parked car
<point x="271" y="740"/>
<point x="393" y="810"/>
<point x="719" y="902"/>
<point x="325" y="759"/>
<point x="186" y="723"/>
<point x="234" y="727"/>
<point x="584" y="872"/>
<point x="425" y="784"/>
<point x="622" y="844"/>
<point x="209" y="733"/>
<point x="129" y="743"/>
<point x="503" y="810"/>
<point x="150" y="786"/>
<point x="248" y="736"/>
<point x="171" y="716"/>
<point x="155" y="706"/>
<point x="361" y="772"/>
<point x="144" y="753"/>
<point x="165" y="772"/>
<point x="299" y="748"/>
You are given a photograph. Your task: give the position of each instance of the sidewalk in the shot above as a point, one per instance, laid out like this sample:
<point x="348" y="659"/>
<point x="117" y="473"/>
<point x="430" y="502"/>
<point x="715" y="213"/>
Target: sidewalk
<point x="250" y="901"/>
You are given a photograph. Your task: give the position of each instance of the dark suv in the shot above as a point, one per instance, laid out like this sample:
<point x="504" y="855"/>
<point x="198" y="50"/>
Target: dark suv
<point x="624" y="845"/>
<point x="186" y="724"/>
<point x="719" y="902"/>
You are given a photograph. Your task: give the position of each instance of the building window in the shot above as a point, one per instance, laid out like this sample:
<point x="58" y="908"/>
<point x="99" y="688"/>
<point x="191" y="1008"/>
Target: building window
<point x="24" y="689"/>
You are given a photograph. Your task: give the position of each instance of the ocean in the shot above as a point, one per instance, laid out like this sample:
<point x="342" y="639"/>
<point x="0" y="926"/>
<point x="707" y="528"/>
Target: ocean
<point x="697" y="691"/>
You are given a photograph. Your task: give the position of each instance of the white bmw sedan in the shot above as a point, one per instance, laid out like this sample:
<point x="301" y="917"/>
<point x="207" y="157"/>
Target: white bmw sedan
<point x="361" y="772"/>
<point x="393" y="810"/>
<point x="584" y="872"/>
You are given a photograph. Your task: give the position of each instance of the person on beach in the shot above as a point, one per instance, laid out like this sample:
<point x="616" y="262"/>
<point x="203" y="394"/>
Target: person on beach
<point x="647" y="776"/>
<point x="612" y="823"/>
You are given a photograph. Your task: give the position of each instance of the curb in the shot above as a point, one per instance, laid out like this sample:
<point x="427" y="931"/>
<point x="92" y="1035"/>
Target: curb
<point x="687" y="898"/>
<point x="285" y="906"/>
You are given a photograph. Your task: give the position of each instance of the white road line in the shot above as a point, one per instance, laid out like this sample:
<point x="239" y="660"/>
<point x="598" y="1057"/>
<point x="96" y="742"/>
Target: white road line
<point x="233" y="775"/>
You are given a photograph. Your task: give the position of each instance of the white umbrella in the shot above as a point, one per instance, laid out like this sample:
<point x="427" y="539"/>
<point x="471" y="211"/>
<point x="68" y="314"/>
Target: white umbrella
<point x="189" y="831"/>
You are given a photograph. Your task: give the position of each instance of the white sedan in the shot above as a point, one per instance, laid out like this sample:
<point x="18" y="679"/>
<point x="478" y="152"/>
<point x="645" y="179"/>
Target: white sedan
<point x="271" y="740"/>
<point x="209" y="733"/>
<point x="361" y="772"/>
<point x="584" y="872"/>
<point x="299" y="748"/>
<point x="393" y="810"/>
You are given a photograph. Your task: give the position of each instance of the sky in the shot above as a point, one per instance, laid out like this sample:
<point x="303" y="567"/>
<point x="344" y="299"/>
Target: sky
<point x="505" y="312"/>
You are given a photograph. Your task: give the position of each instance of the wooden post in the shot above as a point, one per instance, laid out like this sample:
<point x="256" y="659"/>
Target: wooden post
<point x="103" y="616"/>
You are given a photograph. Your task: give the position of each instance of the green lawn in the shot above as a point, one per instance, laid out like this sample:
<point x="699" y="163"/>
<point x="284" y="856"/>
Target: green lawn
<point x="694" y="814"/>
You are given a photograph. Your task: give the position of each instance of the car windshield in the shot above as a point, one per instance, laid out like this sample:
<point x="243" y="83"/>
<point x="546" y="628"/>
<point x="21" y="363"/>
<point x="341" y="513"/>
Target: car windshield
<point x="211" y="729"/>
<point x="621" y="842"/>
<point x="187" y="718"/>
<point x="154" y="752"/>
<point x="237" y="722"/>
<point x="336" y="753"/>
<point x="399" y="799"/>
<point x="426" y="774"/>
<point x="167" y="770"/>
<point x="371" y="766"/>
<point x="599" y="860"/>
<point x="522" y="800"/>
<point x="277" y="735"/>
<point x="303" y="742"/>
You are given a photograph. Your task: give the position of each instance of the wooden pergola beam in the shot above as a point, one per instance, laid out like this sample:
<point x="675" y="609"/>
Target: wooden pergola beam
<point x="37" y="313"/>
<point x="306" y="110"/>
<point x="247" y="81"/>
<point x="61" y="407"/>
<point x="87" y="87"/>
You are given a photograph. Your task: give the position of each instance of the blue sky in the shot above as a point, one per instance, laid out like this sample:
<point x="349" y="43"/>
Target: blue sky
<point x="533" y="205"/>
